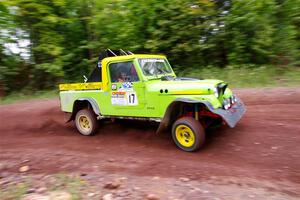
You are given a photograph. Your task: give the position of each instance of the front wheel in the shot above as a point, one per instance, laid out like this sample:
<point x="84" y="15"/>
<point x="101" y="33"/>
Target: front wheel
<point x="188" y="134"/>
<point x="86" y="122"/>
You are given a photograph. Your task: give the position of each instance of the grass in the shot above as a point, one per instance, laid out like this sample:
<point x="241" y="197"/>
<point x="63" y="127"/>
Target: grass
<point x="23" y="96"/>
<point x="14" y="191"/>
<point x="54" y="183"/>
<point x="250" y="76"/>
<point x="68" y="183"/>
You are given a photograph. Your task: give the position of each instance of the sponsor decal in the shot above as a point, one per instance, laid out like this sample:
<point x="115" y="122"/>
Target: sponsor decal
<point x="114" y="86"/>
<point x="124" y="96"/>
<point x="126" y="86"/>
<point x="118" y="98"/>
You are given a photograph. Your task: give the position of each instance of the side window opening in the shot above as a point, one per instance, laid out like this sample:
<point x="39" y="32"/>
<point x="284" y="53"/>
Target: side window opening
<point x="123" y="72"/>
<point x="96" y="75"/>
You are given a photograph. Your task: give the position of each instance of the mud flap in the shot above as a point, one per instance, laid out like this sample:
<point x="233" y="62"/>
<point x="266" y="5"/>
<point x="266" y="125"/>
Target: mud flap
<point x="232" y="115"/>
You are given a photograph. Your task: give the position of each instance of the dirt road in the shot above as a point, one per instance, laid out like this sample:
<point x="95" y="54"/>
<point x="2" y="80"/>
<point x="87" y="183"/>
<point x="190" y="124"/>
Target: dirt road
<point x="259" y="157"/>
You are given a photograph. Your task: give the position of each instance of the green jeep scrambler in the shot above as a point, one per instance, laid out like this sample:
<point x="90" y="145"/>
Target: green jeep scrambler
<point x="144" y="87"/>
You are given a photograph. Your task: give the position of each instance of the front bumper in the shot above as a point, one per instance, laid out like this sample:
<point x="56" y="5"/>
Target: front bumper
<point x="233" y="114"/>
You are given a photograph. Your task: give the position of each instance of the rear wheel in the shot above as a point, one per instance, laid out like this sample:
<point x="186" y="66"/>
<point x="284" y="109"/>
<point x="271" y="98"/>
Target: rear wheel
<point x="188" y="134"/>
<point x="86" y="122"/>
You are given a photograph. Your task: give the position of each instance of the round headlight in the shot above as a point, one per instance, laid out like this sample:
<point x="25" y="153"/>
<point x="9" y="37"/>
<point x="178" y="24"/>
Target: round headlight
<point x="226" y="104"/>
<point x="232" y="100"/>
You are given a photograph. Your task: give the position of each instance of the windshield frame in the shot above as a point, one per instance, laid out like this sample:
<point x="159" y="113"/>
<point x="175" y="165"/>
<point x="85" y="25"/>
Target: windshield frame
<point x="157" y="76"/>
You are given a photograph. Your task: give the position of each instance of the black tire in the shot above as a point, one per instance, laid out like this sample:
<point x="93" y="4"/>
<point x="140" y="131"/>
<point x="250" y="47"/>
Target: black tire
<point x="86" y="122"/>
<point x="188" y="134"/>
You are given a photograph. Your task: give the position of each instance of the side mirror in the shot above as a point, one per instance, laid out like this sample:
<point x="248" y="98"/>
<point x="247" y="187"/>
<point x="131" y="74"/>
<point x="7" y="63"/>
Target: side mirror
<point x="85" y="78"/>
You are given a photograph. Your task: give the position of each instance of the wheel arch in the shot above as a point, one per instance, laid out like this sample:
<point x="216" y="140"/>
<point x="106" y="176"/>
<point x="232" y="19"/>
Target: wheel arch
<point x="172" y="109"/>
<point x="83" y="103"/>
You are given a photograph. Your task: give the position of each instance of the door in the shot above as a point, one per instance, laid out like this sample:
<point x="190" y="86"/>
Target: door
<point x="126" y="91"/>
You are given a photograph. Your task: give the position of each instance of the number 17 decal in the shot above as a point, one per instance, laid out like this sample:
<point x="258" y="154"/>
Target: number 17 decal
<point x="132" y="99"/>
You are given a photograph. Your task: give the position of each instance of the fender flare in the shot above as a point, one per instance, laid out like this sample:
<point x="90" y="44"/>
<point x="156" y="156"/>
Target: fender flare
<point x="165" y="122"/>
<point x="91" y="101"/>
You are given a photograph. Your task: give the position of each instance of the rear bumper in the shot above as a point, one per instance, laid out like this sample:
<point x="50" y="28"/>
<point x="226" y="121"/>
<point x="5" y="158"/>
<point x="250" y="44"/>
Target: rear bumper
<point x="232" y="115"/>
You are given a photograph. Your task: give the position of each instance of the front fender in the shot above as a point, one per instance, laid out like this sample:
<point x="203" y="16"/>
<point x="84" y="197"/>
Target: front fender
<point x="165" y="122"/>
<point x="230" y="116"/>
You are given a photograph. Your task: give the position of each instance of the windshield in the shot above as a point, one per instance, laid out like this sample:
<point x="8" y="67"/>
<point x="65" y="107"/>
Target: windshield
<point x="155" y="66"/>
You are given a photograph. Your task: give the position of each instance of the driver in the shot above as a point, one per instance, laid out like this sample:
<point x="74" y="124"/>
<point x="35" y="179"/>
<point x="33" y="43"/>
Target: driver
<point x="122" y="77"/>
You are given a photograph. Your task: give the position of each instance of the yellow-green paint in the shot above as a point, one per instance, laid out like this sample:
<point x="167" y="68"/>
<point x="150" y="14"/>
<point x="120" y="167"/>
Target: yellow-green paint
<point x="153" y="94"/>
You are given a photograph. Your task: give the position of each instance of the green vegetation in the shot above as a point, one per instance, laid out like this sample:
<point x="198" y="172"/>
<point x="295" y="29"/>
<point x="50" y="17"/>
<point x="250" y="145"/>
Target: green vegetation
<point x="65" y="36"/>
<point x="250" y="76"/>
<point x="15" y="191"/>
<point x="71" y="184"/>
<point x="28" y="95"/>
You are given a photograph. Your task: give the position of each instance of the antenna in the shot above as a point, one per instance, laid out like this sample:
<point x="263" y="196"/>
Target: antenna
<point x="124" y="52"/>
<point x="111" y="52"/>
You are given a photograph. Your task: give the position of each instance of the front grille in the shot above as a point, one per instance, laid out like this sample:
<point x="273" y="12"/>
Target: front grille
<point x="221" y="87"/>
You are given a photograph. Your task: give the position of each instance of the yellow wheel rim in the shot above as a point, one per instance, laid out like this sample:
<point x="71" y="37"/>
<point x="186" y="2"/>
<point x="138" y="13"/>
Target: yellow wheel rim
<point x="84" y="123"/>
<point x="185" y="136"/>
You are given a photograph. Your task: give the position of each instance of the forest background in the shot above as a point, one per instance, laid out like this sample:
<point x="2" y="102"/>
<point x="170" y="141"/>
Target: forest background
<point x="246" y="43"/>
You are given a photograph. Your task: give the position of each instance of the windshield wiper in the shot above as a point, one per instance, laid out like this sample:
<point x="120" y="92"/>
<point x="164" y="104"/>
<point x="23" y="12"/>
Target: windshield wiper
<point x="167" y="78"/>
<point x="156" y="78"/>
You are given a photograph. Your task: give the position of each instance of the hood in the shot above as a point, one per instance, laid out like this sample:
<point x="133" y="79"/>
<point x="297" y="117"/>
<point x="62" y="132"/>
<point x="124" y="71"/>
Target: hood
<point x="184" y="87"/>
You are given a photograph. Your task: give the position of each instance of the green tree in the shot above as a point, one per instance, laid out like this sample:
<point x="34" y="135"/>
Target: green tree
<point x="173" y="27"/>
<point x="8" y="62"/>
<point x="249" y="30"/>
<point x="66" y="35"/>
<point x="59" y="34"/>
<point x="286" y="34"/>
